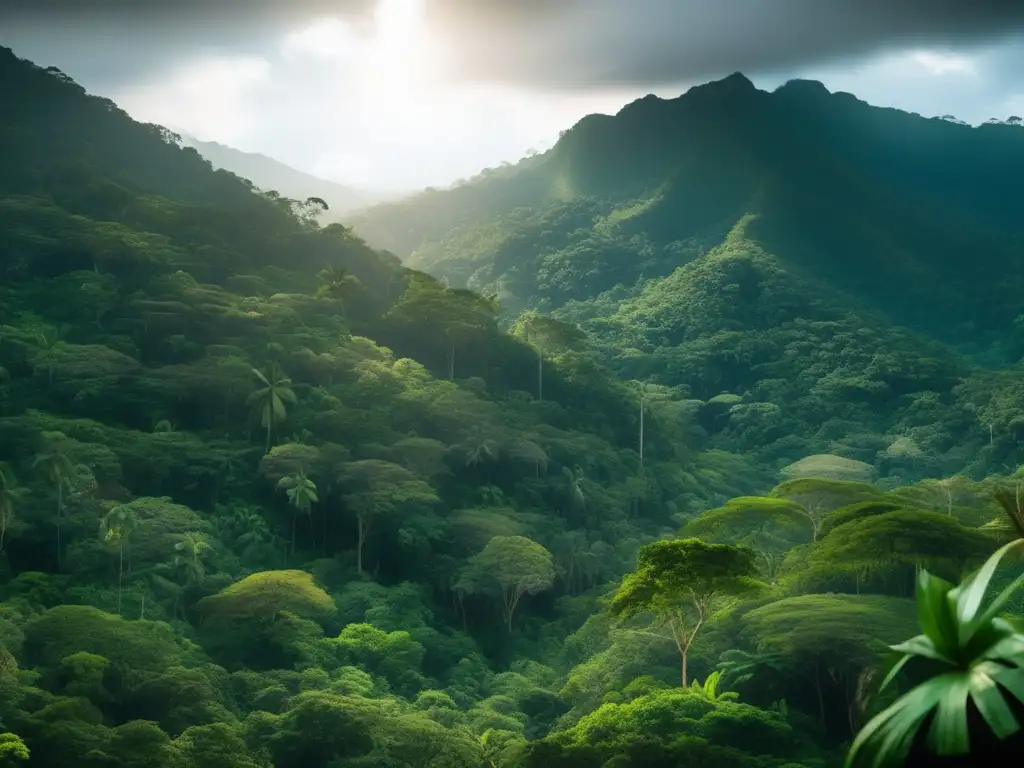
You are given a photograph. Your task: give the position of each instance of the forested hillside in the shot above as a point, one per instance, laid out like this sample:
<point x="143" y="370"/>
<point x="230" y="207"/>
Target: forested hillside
<point x="851" y="276"/>
<point x="270" y="498"/>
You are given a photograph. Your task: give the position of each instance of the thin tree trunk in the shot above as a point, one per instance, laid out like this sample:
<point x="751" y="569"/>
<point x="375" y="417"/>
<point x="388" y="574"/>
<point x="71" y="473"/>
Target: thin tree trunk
<point x="509" y="608"/>
<point x="323" y="542"/>
<point x="361" y="537"/>
<point x="540" y="373"/>
<point x="641" y="430"/>
<point x="462" y="609"/>
<point x="682" y="654"/>
<point x="60" y="506"/>
<point x="120" y="575"/>
<point x="267" y="449"/>
<point x="817" y="687"/>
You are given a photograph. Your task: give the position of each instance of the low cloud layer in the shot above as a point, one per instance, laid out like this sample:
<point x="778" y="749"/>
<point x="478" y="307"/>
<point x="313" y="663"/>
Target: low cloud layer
<point x="550" y="44"/>
<point x="405" y="93"/>
<point x="594" y="43"/>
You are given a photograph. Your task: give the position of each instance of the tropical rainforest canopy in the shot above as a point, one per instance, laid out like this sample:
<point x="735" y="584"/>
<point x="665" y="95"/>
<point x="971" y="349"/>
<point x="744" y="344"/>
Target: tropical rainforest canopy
<point x="637" y="456"/>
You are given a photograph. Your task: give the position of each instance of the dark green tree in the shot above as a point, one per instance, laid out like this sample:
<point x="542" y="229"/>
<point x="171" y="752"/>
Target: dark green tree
<point x="677" y="582"/>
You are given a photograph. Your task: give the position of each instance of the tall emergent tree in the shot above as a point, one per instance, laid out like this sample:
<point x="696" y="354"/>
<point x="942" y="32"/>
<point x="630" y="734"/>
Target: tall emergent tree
<point x="546" y="333"/>
<point x="115" y="530"/>
<point x="55" y="461"/>
<point x="509" y="567"/>
<point x="268" y="402"/>
<point x="379" y="487"/>
<point x="301" y="492"/>
<point x="677" y="581"/>
<point x="8" y="497"/>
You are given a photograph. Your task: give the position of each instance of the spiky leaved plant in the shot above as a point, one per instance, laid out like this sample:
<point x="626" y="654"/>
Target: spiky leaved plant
<point x="973" y="701"/>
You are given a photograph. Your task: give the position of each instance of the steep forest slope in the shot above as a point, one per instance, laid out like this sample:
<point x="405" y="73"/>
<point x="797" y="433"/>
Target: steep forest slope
<point x="917" y="217"/>
<point x="270" y="499"/>
<point x="198" y="384"/>
<point x="851" y="273"/>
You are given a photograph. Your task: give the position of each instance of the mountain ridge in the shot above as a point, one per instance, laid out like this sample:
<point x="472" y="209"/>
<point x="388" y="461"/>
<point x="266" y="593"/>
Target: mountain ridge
<point x="269" y="499"/>
<point x="905" y="194"/>
<point x="268" y="173"/>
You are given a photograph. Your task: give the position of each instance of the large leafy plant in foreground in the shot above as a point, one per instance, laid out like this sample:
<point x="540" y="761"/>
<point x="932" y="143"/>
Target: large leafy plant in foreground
<point x="978" y="658"/>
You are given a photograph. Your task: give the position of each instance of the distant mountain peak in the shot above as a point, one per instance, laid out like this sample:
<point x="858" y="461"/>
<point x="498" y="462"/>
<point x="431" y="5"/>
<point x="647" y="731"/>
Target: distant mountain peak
<point x="803" y="89"/>
<point x="735" y="81"/>
<point x="270" y="174"/>
<point x="734" y="84"/>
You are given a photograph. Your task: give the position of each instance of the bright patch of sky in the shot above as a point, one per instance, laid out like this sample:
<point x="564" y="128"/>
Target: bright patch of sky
<point x="367" y="110"/>
<point x="374" y="110"/>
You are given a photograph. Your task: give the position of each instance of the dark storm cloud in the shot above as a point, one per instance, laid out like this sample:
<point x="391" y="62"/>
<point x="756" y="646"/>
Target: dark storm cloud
<point x="581" y="43"/>
<point x="114" y="41"/>
<point x="545" y="43"/>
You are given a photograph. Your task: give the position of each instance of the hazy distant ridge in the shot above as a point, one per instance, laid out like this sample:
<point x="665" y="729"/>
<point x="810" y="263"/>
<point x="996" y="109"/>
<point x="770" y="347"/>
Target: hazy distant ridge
<point x="267" y="173"/>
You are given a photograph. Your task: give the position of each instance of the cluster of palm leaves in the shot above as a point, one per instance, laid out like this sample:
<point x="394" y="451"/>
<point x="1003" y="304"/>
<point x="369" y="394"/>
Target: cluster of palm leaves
<point x="972" y="701"/>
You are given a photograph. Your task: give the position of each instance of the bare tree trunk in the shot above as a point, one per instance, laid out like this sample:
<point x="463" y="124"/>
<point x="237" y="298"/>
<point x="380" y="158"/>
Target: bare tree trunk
<point x="641" y="429"/>
<point x="540" y="373"/>
<point x="359" y="546"/>
<point x="120" y="575"/>
<point x="60" y="507"/>
<point x="817" y="687"/>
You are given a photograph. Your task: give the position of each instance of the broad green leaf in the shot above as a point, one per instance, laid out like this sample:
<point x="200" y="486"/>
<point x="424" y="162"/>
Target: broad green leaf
<point x="997" y="605"/>
<point x="1012" y="680"/>
<point x="922" y="646"/>
<point x="948" y="734"/>
<point x="985" y="637"/>
<point x="896" y="669"/>
<point x="969" y="595"/>
<point x="1010" y="648"/>
<point x="890" y="733"/>
<point x="933" y="612"/>
<point x="899" y="734"/>
<point x="991" y="705"/>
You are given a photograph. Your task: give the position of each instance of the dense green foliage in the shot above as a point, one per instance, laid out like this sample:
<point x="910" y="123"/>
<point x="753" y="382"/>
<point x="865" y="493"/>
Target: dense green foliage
<point x="269" y="498"/>
<point x="818" y="275"/>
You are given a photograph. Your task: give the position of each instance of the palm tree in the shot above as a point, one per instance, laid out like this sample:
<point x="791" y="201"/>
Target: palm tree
<point x="302" y="496"/>
<point x="116" y="528"/>
<point x="1012" y="504"/>
<point x="8" y="495"/>
<point x="972" y="699"/>
<point x="257" y="535"/>
<point x="188" y="557"/>
<point x="478" y="447"/>
<point x="269" y="401"/>
<point x="58" y="467"/>
<point x="334" y="283"/>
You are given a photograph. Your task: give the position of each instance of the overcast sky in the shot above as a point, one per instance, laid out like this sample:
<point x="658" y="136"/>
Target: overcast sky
<point x="389" y="94"/>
